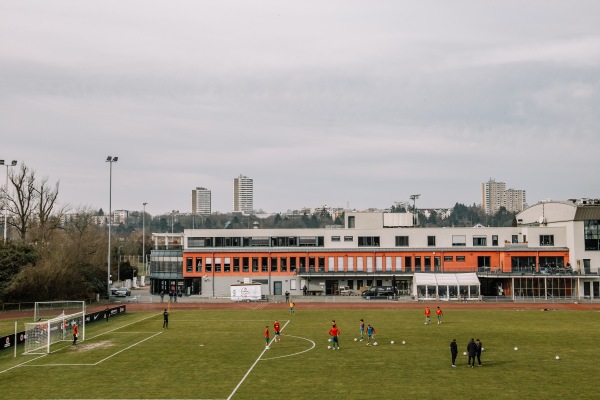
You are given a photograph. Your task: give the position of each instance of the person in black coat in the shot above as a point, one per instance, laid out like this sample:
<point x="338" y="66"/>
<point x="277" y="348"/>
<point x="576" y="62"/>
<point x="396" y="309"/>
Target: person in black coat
<point x="453" y="351"/>
<point x="472" y="350"/>
<point x="478" y="349"/>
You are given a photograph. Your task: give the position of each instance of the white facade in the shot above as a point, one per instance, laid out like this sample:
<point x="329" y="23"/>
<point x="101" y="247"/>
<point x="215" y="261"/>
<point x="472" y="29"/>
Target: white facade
<point x="201" y="201"/>
<point x="243" y="194"/>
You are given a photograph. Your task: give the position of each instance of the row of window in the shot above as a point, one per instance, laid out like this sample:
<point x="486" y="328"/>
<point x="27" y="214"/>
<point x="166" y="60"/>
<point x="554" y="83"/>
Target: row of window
<point x="362" y="241"/>
<point x="368" y="264"/>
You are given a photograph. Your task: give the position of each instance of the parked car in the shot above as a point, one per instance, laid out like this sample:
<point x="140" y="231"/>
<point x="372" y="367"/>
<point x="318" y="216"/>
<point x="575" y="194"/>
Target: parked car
<point x="113" y="291"/>
<point x="122" y="292"/>
<point x="379" y="292"/>
<point x="346" y="291"/>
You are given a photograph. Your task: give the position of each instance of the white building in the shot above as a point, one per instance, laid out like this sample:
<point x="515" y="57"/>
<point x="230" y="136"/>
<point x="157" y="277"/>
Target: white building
<point x="495" y="195"/>
<point x="201" y="201"/>
<point x="243" y="194"/>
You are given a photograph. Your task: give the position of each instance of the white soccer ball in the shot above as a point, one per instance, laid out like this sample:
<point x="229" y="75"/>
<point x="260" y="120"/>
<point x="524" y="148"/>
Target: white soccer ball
<point x="482" y="349"/>
<point x="516" y="348"/>
<point x="329" y="340"/>
<point x="355" y="339"/>
<point x="557" y="357"/>
<point x="465" y="353"/>
<point x="392" y="342"/>
<point x="403" y="342"/>
<point x="328" y="347"/>
<point x="374" y="343"/>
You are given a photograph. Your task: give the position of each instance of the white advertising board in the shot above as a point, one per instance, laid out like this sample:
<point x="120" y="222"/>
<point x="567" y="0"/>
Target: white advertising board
<point x="244" y="292"/>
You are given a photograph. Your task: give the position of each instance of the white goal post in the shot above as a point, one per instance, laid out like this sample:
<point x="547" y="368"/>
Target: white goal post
<point x="42" y="333"/>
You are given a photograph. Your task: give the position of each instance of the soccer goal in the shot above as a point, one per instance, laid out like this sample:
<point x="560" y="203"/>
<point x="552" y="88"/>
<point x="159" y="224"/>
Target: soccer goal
<point x="44" y="332"/>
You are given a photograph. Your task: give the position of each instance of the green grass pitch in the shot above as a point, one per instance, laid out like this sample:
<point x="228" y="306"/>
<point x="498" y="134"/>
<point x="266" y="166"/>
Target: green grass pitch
<point x="220" y="354"/>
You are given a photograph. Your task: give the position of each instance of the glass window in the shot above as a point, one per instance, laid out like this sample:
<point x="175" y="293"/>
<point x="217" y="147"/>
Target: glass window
<point x="591" y="234"/>
<point x="494" y="240"/>
<point x="546" y="240"/>
<point x="448" y="258"/>
<point x="189" y="265"/>
<point x="479" y="241"/>
<point x="335" y="238"/>
<point x="430" y="240"/>
<point x="198" y="264"/>
<point x="402" y="241"/>
<point x="348" y="238"/>
<point x="227" y="264"/>
<point x="460" y="258"/>
<point x="370" y="241"/>
<point x="459" y="240"/>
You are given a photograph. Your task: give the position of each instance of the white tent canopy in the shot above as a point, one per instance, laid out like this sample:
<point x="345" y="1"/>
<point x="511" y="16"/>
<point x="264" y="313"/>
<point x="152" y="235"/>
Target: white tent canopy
<point x="462" y="286"/>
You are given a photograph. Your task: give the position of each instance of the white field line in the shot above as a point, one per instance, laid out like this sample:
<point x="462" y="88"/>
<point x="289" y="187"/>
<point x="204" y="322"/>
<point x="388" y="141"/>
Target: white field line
<point x="294" y="354"/>
<point x="252" y="367"/>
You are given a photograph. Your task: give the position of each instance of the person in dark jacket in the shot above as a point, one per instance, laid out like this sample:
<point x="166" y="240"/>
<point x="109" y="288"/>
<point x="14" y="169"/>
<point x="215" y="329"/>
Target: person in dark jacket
<point x="472" y="350"/>
<point x="453" y="351"/>
<point x="478" y="351"/>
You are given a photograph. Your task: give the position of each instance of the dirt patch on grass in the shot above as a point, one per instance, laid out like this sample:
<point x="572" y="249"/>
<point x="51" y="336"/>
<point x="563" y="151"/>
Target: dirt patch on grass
<point x="92" y="346"/>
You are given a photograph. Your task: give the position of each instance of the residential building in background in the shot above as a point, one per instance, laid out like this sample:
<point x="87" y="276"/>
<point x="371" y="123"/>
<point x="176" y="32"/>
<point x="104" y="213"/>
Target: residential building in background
<point x="495" y="195"/>
<point x="243" y="194"/>
<point x="201" y="201"/>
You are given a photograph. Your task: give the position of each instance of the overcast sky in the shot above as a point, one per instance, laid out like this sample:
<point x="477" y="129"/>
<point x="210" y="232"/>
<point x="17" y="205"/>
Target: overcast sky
<point x="338" y="103"/>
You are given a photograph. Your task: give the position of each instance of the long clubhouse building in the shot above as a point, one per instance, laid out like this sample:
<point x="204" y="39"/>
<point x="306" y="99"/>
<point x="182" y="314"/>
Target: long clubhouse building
<point x="550" y="256"/>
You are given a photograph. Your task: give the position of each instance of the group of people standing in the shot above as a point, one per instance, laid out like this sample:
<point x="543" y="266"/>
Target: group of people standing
<point x="438" y="313"/>
<point x="474" y="349"/>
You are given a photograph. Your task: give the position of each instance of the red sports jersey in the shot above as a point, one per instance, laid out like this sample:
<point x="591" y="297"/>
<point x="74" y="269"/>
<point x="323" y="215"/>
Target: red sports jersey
<point x="276" y="326"/>
<point x="335" y="332"/>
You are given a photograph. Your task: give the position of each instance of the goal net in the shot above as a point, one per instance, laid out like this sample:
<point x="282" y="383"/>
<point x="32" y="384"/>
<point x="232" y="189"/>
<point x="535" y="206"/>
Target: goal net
<point x="42" y="333"/>
<point x="44" y="310"/>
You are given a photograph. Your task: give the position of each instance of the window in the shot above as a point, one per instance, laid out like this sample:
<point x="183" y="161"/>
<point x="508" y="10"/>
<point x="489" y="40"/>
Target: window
<point x="254" y="264"/>
<point x="460" y="258"/>
<point x="351" y="222"/>
<point x="494" y="240"/>
<point x="368" y="241"/>
<point x="198" y="265"/>
<point x="479" y="241"/>
<point x="459" y="240"/>
<point x="402" y="241"/>
<point x="430" y="240"/>
<point x="417" y="264"/>
<point x="217" y="264"/>
<point x="546" y="240"/>
<point x="335" y="238"/>
<point x="245" y="264"/>
<point x="591" y="234"/>
<point x="283" y="264"/>
<point x="408" y="263"/>
<point x="348" y="238"/>
<point x="273" y="264"/>
<point x="208" y="265"/>
<point x="189" y="265"/>
<point x="227" y="264"/>
<point x="449" y="258"/>
<point x="236" y="264"/>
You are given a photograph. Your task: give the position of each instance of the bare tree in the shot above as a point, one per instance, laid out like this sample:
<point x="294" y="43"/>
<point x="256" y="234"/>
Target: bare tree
<point x="22" y="203"/>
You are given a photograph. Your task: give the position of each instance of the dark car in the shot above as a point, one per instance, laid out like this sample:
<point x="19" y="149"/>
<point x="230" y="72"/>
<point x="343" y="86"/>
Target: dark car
<point x="379" y="292"/>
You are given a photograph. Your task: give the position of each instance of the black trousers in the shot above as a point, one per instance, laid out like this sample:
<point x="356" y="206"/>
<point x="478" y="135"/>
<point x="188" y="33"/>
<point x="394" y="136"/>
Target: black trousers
<point x="454" y="358"/>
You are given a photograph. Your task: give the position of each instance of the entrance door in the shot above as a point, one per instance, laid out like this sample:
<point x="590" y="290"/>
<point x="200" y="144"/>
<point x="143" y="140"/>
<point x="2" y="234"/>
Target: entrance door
<point x="331" y="287"/>
<point x="277" y="288"/>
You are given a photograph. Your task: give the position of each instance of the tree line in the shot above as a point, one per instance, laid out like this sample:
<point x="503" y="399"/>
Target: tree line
<point x="55" y="252"/>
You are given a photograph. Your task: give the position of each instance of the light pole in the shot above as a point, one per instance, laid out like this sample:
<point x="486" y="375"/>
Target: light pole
<point x="414" y="198"/>
<point x="173" y="219"/>
<point x="144" y="238"/>
<point x="12" y="164"/>
<point x="110" y="160"/>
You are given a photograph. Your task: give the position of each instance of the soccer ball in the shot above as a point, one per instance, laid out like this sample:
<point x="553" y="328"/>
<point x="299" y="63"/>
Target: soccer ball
<point x="557" y="357"/>
<point x="374" y="343"/>
<point x="403" y="342"/>
<point x="482" y="349"/>
<point x="328" y="347"/>
<point x="465" y="353"/>
<point x="329" y="340"/>
<point x="392" y="342"/>
<point x="516" y="348"/>
<point x="355" y="339"/>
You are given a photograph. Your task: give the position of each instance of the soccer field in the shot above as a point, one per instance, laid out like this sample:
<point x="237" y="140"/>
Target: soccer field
<point x="220" y="354"/>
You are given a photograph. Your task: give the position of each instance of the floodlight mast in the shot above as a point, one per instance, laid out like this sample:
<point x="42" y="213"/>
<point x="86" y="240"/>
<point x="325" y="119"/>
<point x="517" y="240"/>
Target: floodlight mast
<point x="12" y="164"/>
<point x="110" y="160"/>
<point x="414" y="198"/>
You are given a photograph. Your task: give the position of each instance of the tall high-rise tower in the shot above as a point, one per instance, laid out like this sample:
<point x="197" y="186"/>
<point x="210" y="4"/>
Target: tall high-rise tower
<point x="201" y="201"/>
<point x="243" y="194"/>
<point x="495" y="195"/>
